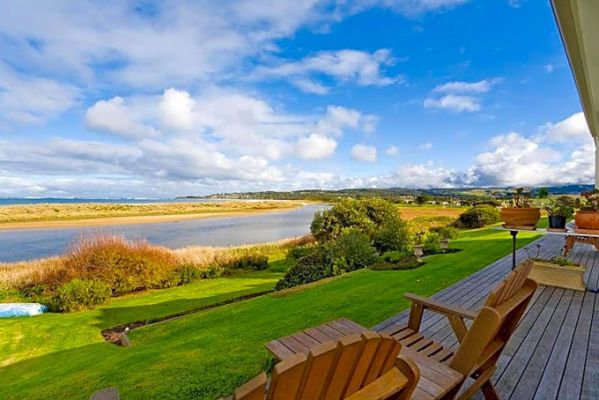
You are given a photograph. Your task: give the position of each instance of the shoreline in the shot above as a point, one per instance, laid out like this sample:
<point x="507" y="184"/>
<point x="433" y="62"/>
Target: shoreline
<point x="134" y="220"/>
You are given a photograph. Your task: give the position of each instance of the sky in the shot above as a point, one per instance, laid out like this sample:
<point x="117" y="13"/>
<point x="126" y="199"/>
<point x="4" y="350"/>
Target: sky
<point x="162" y="99"/>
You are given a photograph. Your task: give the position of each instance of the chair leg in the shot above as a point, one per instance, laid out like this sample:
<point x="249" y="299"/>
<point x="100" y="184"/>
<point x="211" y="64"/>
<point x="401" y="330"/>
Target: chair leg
<point x="489" y="391"/>
<point x="481" y="382"/>
<point x="416" y="312"/>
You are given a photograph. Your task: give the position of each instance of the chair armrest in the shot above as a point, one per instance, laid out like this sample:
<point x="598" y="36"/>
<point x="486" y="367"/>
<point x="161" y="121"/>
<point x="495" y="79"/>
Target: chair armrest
<point x="386" y="386"/>
<point x="441" y="308"/>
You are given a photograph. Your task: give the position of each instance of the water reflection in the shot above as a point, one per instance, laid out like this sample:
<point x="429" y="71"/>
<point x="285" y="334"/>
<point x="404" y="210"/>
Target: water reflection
<point x="17" y="245"/>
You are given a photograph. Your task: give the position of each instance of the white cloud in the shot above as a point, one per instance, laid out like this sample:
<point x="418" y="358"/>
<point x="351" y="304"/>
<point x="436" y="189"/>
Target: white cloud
<point x="414" y="8"/>
<point x="115" y="116"/>
<point x="30" y="99"/>
<point x="364" y="153"/>
<point x="178" y="165"/>
<point x="309" y="86"/>
<point x="346" y="66"/>
<point x="459" y="95"/>
<point x="177" y="109"/>
<point x="315" y="147"/>
<point x="572" y="128"/>
<point x="392" y="150"/>
<point x="426" y="175"/>
<point x="467" y="87"/>
<point x="548" y="68"/>
<point x="425" y="146"/>
<point x="454" y="102"/>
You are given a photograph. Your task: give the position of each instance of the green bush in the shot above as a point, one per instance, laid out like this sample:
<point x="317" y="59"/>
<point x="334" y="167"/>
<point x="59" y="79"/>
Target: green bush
<point x="316" y="265"/>
<point x="447" y="232"/>
<point x="351" y="251"/>
<point x="478" y="216"/>
<point x="297" y="252"/>
<point x="365" y="215"/>
<point x="395" y="260"/>
<point x="432" y="243"/>
<point x="80" y="294"/>
<point x="393" y="234"/>
<point x="188" y="273"/>
<point x="249" y="261"/>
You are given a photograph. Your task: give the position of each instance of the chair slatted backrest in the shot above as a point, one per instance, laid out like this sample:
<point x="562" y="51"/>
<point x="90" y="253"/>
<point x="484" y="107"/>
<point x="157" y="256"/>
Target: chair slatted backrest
<point x="496" y="321"/>
<point x="334" y="370"/>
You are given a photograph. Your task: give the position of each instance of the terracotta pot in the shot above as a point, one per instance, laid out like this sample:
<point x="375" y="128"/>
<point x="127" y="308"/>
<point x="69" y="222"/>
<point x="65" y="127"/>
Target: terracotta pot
<point x="522" y="218"/>
<point x="587" y="220"/>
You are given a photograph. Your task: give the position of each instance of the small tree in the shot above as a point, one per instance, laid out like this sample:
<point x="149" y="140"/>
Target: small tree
<point x="543" y="193"/>
<point x="423" y="198"/>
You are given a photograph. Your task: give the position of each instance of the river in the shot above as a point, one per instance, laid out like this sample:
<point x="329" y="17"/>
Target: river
<point x="27" y="244"/>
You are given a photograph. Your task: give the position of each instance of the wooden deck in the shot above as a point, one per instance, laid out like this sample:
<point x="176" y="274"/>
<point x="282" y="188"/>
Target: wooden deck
<point x="554" y="353"/>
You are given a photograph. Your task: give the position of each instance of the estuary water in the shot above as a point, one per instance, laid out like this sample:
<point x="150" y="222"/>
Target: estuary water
<point x="27" y="244"/>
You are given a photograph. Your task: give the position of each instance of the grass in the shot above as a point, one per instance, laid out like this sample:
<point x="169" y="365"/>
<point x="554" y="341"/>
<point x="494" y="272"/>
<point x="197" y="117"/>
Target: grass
<point x="206" y="355"/>
<point x="70" y="212"/>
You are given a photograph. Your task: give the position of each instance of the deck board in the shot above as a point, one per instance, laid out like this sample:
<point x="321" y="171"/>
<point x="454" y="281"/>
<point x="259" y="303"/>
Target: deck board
<point x="554" y="353"/>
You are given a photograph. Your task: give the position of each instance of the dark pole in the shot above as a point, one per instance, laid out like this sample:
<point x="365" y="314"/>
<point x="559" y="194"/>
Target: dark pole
<point x="513" y="233"/>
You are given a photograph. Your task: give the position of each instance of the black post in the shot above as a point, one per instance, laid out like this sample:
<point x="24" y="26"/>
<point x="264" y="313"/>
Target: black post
<point x="513" y="233"/>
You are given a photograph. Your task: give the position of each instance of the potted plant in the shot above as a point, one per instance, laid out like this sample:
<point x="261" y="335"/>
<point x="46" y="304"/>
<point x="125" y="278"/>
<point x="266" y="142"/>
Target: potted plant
<point x="559" y="272"/>
<point x="521" y="214"/>
<point x="559" y="212"/>
<point x="587" y="218"/>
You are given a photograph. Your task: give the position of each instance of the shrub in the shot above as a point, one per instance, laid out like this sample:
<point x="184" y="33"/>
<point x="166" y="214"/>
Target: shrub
<point x="432" y="242"/>
<point x="295" y="253"/>
<point x="447" y="232"/>
<point x="352" y="250"/>
<point x="125" y="266"/>
<point x="397" y="261"/>
<point x="393" y="234"/>
<point x="365" y="215"/>
<point x="478" y="216"/>
<point x="80" y="294"/>
<point x="316" y="265"/>
<point x="188" y="273"/>
<point x="248" y="261"/>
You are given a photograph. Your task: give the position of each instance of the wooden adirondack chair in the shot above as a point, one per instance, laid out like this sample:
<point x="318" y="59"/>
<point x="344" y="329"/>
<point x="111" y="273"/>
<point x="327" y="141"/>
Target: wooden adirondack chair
<point x="357" y="367"/>
<point x="480" y="345"/>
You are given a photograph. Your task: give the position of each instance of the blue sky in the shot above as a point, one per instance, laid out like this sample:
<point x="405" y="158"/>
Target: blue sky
<point x="152" y="99"/>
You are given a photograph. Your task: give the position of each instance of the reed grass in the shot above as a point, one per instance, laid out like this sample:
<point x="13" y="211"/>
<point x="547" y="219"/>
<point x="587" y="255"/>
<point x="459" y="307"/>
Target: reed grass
<point x="81" y="258"/>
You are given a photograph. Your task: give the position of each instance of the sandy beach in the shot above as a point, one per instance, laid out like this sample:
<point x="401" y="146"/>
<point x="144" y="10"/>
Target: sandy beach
<point x="233" y="209"/>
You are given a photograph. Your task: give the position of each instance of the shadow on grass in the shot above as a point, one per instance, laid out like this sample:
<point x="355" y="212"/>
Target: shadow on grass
<point x="111" y="317"/>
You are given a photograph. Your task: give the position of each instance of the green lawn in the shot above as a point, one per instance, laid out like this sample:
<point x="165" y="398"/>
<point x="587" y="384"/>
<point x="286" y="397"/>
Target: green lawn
<point x="208" y="354"/>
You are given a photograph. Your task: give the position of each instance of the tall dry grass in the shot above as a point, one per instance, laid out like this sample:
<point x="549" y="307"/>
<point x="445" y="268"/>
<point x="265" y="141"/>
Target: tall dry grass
<point x="104" y="256"/>
<point x="28" y="273"/>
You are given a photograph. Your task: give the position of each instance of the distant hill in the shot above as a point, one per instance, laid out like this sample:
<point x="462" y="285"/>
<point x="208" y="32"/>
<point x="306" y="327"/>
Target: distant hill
<point x="462" y="195"/>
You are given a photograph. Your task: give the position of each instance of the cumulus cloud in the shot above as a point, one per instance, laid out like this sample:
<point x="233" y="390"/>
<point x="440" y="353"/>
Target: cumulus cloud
<point x="115" y="116"/>
<point x="454" y="102"/>
<point x="364" y="153"/>
<point x="425" y="146"/>
<point x="177" y="109"/>
<point x="347" y="66"/>
<point x="572" y="128"/>
<point x="315" y="147"/>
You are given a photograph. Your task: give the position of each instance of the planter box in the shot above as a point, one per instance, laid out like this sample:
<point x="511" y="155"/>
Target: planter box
<point x="520" y="218"/>
<point x="566" y="277"/>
